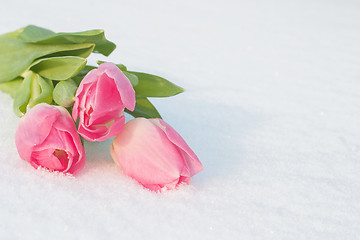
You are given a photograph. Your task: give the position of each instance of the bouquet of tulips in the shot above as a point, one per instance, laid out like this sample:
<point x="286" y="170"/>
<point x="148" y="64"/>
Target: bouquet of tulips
<point x="62" y="102"/>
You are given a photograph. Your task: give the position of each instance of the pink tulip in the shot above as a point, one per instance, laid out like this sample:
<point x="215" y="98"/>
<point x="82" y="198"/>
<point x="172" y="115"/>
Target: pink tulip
<point x="46" y="136"/>
<point x="154" y="154"/>
<point x="100" y="101"/>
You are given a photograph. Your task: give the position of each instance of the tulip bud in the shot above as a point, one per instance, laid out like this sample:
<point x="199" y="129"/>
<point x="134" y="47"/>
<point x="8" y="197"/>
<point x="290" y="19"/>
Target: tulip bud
<point x="154" y="154"/>
<point x="100" y="100"/>
<point x="64" y="93"/>
<point x="46" y="137"/>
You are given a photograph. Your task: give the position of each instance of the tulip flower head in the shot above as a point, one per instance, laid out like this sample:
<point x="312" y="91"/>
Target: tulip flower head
<point x="46" y="136"/>
<point x="154" y="154"/>
<point x="100" y="101"/>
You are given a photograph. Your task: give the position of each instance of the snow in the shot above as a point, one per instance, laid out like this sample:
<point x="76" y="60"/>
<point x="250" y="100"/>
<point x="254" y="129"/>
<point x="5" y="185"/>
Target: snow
<point x="272" y="110"/>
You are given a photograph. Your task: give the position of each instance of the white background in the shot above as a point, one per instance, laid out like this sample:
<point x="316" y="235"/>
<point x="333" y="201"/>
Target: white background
<point x="272" y="109"/>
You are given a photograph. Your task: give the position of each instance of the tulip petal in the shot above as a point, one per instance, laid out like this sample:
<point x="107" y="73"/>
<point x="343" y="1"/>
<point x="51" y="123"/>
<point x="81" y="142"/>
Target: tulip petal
<point x="192" y="161"/>
<point x="123" y="84"/>
<point x="34" y="128"/>
<point x="100" y="101"/>
<point x="144" y="153"/>
<point x="107" y="101"/>
<point x="71" y="140"/>
<point x="83" y="88"/>
<point x="101" y="132"/>
<point x="45" y="158"/>
<point x="47" y="137"/>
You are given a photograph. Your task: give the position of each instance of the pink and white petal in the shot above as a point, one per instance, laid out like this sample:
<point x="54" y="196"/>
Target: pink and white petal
<point x="190" y="157"/>
<point x="92" y="133"/>
<point x="82" y="92"/>
<point x="104" y="118"/>
<point x="83" y="99"/>
<point x="52" y="141"/>
<point x="115" y="128"/>
<point x="76" y="153"/>
<point x="144" y="153"/>
<point x="72" y="143"/>
<point x="73" y="153"/>
<point x="46" y="158"/>
<point x="102" y="132"/>
<point x="123" y="84"/>
<point x="107" y="100"/>
<point x="152" y="187"/>
<point x="167" y="186"/>
<point x="34" y="128"/>
<point x="90" y="77"/>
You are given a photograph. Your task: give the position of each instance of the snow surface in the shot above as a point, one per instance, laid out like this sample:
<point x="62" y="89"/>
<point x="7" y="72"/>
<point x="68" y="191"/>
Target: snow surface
<point x="272" y="109"/>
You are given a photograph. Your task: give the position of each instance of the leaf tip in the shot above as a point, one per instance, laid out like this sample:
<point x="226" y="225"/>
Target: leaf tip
<point x="181" y="90"/>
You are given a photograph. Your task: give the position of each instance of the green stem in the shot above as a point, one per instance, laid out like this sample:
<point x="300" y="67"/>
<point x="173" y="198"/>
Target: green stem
<point x="35" y="88"/>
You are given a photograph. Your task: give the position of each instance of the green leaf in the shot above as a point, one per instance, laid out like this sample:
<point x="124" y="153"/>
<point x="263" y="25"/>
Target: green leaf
<point x="144" y="108"/>
<point x="78" y="78"/>
<point x="33" y="90"/>
<point x="34" y="34"/>
<point x="133" y="78"/>
<point x="154" y="86"/>
<point x="88" y="68"/>
<point x="81" y="52"/>
<point x="41" y="91"/>
<point x="16" y="56"/>
<point x="12" y="86"/>
<point x="22" y="96"/>
<point x="121" y="66"/>
<point x="58" y="68"/>
<point x="64" y="93"/>
<point x="14" y="34"/>
<point x="148" y="85"/>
